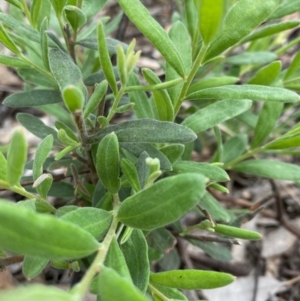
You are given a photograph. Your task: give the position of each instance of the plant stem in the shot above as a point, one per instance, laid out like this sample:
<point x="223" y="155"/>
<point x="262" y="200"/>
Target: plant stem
<point x="116" y="103"/>
<point x="21" y="191"/>
<point x="196" y="65"/>
<point x="83" y="285"/>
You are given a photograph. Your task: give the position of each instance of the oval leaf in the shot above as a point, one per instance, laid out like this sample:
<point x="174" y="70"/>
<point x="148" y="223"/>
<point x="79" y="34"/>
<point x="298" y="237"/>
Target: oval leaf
<point x="162" y="203"/>
<point x="33" y="266"/>
<point x="192" y="279"/>
<point x="42" y="235"/>
<point x="254" y="92"/>
<point x="216" y="113"/>
<point x="269" y="169"/>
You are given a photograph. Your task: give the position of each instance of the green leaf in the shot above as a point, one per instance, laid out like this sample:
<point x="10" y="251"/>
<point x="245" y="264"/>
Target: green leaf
<point x="271" y="30"/>
<point x="3" y="167"/>
<point x="147" y="130"/>
<point x="287" y="7"/>
<point x="35" y="77"/>
<point x="58" y="6"/>
<point x="44" y="43"/>
<point x="216" y="113"/>
<point x="169" y="292"/>
<point x="36" y="126"/>
<point x="92" y="7"/>
<point x="161" y="204"/>
<point x="210" y="19"/>
<point x="36" y="292"/>
<point x="143" y="168"/>
<point x="181" y="39"/>
<point x="33" y="266"/>
<point x="93" y="220"/>
<point x="138" y="148"/>
<point x="141" y="18"/>
<point x="249" y="14"/>
<point x="12" y="61"/>
<point x="135" y="251"/>
<point x="130" y="173"/>
<point x="41" y="155"/>
<point x="269" y="169"/>
<point x="267" y="120"/>
<point x="234" y="147"/>
<point x="214" y="173"/>
<point x="113" y="286"/>
<point x="253" y="92"/>
<point x="16" y="3"/>
<point x="266" y="75"/>
<point x="144" y="107"/>
<point x="44" y="235"/>
<point x="210" y="82"/>
<point x="214" y="208"/>
<point x="32" y="98"/>
<point x="35" y="10"/>
<point x="107" y="162"/>
<point x="162" y="99"/>
<point x="105" y="60"/>
<point x="173" y="152"/>
<point x="6" y="40"/>
<point x="236" y="232"/>
<point x="65" y="71"/>
<point x="286" y="141"/>
<point x="294" y="67"/>
<point x="16" y="158"/>
<point x="75" y="16"/>
<point x="73" y="98"/>
<point x="251" y="58"/>
<point x="192" y="279"/>
<point x="96" y="98"/>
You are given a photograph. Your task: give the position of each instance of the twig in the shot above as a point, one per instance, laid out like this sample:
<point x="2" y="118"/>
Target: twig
<point x="210" y="238"/>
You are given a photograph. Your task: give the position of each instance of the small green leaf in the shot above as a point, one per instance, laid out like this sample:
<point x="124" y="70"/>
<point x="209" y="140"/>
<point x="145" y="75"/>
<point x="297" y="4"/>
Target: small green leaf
<point x="214" y="208"/>
<point x="236" y="232"/>
<point x="287" y="7"/>
<point x="192" y="279"/>
<point x="294" y="67"/>
<point x="36" y="292"/>
<point x="42" y="235"/>
<point x="269" y="169"/>
<point x="169" y="292"/>
<point x="93" y="220"/>
<point x="216" y="113"/>
<point x="35" y="10"/>
<point x="135" y="251"/>
<point x="271" y="30"/>
<point x="161" y="204"/>
<point x="243" y="12"/>
<point x="104" y="58"/>
<point x="267" y="120"/>
<point x="3" y="167"/>
<point x="253" y="92"/>
<point x="6" y="40"/>
<point x="143" y="168"/>
<point x="92" y="7"/>
<point x="173" y="152"/>
<point x="210" y="18"/>
<point x="12" y="61"/>
<point x="252" y="58"/>
<point x="148" y="130"/>
<point x="65" y="71"/>
<point x="162" y="99"/>
<point x="96" y="98"/>
<point x="32" y="98"/>
<point x="141" y="18"/>
<point x="107" y="162"/>
<point x="131" y="174"/>
<point x="44" y="43"/>
<point x="60" y="125"/>
<point x="75" y="16"/>
<point x="112" y="286"/>
<point x="16" y="158"/>
<point x="41" y="155"/>
<point x="144" y="107"/>
<point x="58" y="6"/>
<point x="138" y="148"/>
<point x="33" y="266"/>
<point x="267" y="74"/>
<point x="284" y="142"/>
<point x="214" y="173"/>
<point x="36" y="126"/>
<point x="73" y="98"/>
